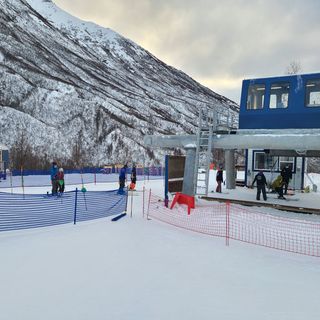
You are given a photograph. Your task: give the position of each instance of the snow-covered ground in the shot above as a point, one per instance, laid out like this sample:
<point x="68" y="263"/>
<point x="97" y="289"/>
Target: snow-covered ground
<point x="307" y="200"/>
<point x="143" y="269"/>
<point x="309" y="180"/>
<point x="312" y="179"/>
<point x="70" y="180"/>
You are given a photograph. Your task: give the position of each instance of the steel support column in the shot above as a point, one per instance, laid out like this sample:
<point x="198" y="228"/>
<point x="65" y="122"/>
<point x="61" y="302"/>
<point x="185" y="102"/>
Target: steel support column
<point x="190" y="165"/>
<point x="230" y="169"/>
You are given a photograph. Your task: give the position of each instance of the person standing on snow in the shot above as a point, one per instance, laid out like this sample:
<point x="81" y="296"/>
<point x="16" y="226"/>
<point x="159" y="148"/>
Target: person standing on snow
<point x="60" y="177"/>
<point x="286" y="174"/>
<point x="122" y="178"/>
<point x="219" y="179"/>
<point x="54" y="177"/>
<point x="133" y="177"/>
<point x="261" y="185"/>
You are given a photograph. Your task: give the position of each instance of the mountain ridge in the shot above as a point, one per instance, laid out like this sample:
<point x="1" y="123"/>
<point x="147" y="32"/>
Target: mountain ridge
<point x="69" y="83"/>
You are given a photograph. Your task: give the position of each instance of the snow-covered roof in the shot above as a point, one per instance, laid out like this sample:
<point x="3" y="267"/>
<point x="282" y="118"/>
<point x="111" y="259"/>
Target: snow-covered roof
<point x="3" y="147"/>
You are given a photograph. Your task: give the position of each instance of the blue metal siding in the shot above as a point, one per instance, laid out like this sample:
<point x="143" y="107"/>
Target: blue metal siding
<point x="297" y="115"/>
<point x="5" y="156"/>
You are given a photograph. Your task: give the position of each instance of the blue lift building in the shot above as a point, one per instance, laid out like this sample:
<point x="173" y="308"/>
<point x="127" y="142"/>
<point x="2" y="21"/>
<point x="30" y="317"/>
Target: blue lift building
<point x="287" y="102"/>
<point x="279" y="125"/>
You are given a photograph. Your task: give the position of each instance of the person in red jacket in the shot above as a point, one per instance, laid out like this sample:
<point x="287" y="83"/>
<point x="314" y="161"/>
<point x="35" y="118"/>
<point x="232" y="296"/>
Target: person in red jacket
<point x="60" y="180"/>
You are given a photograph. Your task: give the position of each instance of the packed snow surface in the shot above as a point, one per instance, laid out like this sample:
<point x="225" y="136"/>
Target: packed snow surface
<point x="143" y="269"/>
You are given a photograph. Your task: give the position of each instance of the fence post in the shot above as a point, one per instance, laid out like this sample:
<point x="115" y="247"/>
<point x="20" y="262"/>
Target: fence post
<point x="11" y="181"/>
<point x="227" y="222"/>
<point x="131" y="203"/>
<point x="149" y="205"/>
<point x="127" y="200"/>
<point x="143" y="189"/>
<point x="22" y="181"/>
<point x="75" y="207"/>
<point x="81" y="175"/>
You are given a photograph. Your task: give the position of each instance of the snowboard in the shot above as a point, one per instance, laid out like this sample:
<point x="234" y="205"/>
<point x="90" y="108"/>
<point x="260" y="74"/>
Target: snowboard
<point x="119" y="217"/>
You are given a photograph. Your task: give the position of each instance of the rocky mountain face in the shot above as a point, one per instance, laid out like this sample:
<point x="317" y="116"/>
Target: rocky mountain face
<point x="69" y="87"/>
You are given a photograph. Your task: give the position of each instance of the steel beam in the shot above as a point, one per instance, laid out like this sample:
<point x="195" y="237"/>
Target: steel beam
<point x="291" y="139"/>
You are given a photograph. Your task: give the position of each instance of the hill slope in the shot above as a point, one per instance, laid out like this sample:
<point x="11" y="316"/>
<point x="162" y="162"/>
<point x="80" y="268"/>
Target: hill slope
<point x="68" y="85"/>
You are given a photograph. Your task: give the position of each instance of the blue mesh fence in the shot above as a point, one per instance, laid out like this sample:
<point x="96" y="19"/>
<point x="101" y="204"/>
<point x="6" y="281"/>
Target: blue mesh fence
<point x="154" y="171"/>
<point x="37" y="178"/>
<point x="18" y="211"/>
<point x="94" y="205"/>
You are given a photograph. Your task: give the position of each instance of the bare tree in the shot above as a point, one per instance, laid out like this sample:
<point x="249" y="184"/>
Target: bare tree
<point x="23" y="154"/>
<point x="294" y="67"/>
<point x="79" y="154"/>
<point x="20" y="150"/>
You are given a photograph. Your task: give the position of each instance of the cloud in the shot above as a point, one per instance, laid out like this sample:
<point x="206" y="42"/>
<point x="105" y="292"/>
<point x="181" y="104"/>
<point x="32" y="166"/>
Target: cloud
<point x="218" y="43"/>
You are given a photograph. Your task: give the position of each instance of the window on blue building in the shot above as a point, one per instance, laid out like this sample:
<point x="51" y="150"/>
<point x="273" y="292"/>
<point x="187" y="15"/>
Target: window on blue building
<point x="263" y="161"/>
<point x="255" y="97"/>
<point x="279" y="95"/>
<point x="313" y="93"/>
<point x="286" y="161"/>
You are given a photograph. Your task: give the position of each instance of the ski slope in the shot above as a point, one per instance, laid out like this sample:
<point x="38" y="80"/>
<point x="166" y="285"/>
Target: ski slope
<point x="143" y="269"/>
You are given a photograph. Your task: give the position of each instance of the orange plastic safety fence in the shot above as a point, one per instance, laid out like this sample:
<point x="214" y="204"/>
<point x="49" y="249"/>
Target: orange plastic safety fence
<point x="242" y="224"/>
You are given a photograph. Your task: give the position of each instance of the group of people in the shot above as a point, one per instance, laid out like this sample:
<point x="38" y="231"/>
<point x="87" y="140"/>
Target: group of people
<point x="57" y="179"/>
<point x="123" y="178"/>
<point x="279" y="185"/>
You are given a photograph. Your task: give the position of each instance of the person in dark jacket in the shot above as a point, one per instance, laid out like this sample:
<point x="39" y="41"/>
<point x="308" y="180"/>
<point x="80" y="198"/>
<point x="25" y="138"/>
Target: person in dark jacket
<point x="261" y="180"/>
<point x="133" y="177"/>
<point x="60" y="177"/>
<point x="122" y="178"/>
<point x="286" y="174"/>
<point x="54" y="177"/>
<point x="219" y="179"/>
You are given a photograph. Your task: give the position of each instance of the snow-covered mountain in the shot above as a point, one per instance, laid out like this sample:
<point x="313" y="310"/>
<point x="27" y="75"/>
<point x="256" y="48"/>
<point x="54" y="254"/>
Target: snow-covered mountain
<point x="65" y="83"/>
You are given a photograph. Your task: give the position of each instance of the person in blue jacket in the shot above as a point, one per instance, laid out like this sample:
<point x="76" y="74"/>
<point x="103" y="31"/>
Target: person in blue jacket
<point x="122" y="178"/>
<point x="54" y="177"/>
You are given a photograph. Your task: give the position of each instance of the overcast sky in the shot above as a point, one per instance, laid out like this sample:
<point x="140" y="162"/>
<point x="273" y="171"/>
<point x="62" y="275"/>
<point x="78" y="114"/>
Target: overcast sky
<point x="217" y="42"/>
